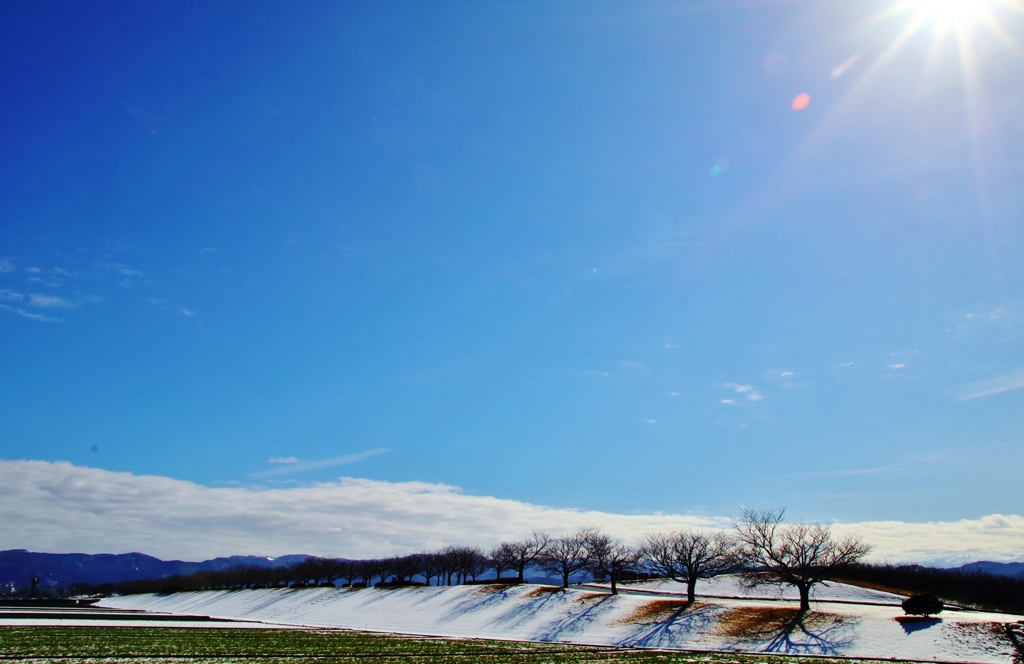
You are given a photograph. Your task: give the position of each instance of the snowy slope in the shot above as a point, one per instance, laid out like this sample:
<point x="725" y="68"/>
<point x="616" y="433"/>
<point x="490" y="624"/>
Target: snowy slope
<point x="535" y="613"/>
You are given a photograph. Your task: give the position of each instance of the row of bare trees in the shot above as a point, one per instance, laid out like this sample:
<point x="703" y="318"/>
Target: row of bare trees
<point x="761" y="546"/>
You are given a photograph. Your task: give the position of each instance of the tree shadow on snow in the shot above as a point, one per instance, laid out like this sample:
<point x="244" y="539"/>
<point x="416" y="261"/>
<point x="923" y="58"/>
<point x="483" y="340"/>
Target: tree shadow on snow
<point x="673" y="628"/>
<point x="593" y="609"/>
<point x="917" y="624"/>
<point x="475" y="601"/>
<point x="765" y="629"/>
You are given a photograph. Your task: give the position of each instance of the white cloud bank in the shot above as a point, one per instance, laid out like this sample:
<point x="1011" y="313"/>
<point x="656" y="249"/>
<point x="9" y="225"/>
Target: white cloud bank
<point x="59" y="507"/>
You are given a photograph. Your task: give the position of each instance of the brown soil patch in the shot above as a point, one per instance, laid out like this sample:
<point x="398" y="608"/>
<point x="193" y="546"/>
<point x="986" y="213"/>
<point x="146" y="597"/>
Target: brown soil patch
<point x="766" y="622"/>
<point x="655" y="611"/>
<point x="491" y="588"/>
<point x="589" y="597"/>
<point x="543" y="590"/>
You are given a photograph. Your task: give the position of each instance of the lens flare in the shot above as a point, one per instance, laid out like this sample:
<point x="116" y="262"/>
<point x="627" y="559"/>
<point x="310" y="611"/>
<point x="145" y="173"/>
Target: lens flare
<point x="800" y="101"/>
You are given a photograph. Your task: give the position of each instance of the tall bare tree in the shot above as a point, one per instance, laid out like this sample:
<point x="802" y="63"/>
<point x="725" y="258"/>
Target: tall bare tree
<point x="689" y="555"/>
<point x="610" y="556"/>
<point x="567" y="555"/>
<point x="527" y="551"/>
<point x="801" y="555"/>
<point x="502" y="557"/>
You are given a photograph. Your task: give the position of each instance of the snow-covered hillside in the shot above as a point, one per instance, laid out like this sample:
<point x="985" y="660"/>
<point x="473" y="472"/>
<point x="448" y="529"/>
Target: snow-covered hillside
<point x="540" y="613"/>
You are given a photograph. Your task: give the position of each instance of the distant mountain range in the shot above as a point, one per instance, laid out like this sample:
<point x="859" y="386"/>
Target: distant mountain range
<point x="1015" y="570"/>
<point x="57" y="570"/>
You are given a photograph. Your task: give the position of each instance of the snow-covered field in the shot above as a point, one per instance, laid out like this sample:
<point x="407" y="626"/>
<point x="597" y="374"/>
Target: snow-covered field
<point x="541" y="613"/>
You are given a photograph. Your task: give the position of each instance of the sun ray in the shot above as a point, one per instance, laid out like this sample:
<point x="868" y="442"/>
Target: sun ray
<point x="975" y="137"/>
<point x="999" y="30"/>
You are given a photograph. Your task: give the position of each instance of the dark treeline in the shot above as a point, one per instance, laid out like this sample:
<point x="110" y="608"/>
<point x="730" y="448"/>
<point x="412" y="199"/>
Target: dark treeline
<point x="451" y="565"/>
<point x="973" y="589"/>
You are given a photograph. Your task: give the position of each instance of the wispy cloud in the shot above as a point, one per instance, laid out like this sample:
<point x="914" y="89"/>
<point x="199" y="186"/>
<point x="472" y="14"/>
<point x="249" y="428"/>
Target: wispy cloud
<point x="31" y="315"/>
<point x="44" y="301"/>
<point x="290" y="459"/>
<point x="287" y="467"/>
<point x="930" y="457"/>
<point x="61" y="507"/>
<point x="750" y="394"/>
<point x="7" y="295"/>
<point x="858" y="471"/>
<point x="189" y="313"/>
<point x="986" y="388"/>
<point x="6" y="265"/>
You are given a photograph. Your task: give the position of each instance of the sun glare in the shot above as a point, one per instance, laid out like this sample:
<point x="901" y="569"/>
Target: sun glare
<point x="950" y="11"/>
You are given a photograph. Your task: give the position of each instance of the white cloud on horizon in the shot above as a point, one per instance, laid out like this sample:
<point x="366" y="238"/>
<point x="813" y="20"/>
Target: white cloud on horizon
<point x="986" y="388"/>
<point x="60" y="507"/>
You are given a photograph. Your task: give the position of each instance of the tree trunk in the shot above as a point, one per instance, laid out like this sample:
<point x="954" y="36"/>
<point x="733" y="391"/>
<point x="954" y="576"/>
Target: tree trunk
<point x="565" y="579"/>
<point x="612" y="576"/>
<point x="805" y="597"/>
<point x="521" y="570"/>
<point x="691" y="589"/>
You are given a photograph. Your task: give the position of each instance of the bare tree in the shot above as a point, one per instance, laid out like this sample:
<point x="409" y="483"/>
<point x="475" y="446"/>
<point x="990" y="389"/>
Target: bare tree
<point x="610" y="556"/>
<point x="407" y="567"/>
<point x="502" y="557"/>
<point x="447" y="565"/>
<point x="469" y="562"/>
<point x="800" y="555"/>
<point x="567" y="555"/>
<point x="433" y="566"/>
<point x="689" y="555"/>
<point x="527" y="551"/>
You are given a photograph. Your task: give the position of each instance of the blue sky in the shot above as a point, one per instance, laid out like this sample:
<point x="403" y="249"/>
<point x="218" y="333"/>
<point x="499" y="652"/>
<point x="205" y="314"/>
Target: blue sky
<point x="579" y="254"/>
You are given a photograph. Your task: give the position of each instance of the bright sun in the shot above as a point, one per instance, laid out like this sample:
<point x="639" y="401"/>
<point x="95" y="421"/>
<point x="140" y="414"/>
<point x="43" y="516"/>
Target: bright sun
<point x="956" y="18"/>
<point x="951" y="11"/>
